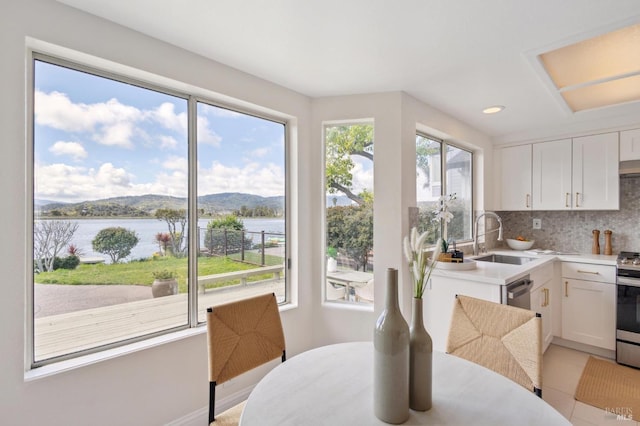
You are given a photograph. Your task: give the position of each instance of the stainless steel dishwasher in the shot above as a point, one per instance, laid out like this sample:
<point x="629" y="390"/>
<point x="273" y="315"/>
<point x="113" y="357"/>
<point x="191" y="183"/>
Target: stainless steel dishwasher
<point x="517" y="293"/>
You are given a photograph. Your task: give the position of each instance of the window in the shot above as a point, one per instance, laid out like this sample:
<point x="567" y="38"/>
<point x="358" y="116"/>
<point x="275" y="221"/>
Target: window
<point x="116" y="164"/>
<point x="349" y="213"/>
<point x="433" y="186"/>
<point x="241" y="202"/>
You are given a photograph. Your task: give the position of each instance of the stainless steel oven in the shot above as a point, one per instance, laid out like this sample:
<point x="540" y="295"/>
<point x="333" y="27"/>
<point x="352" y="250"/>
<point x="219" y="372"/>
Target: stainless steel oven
<point x="628" y="309"/>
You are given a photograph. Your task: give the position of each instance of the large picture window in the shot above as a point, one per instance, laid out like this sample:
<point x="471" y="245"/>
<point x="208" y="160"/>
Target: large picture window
<point x="444" y="177"/>
<point x="115" y="173"/>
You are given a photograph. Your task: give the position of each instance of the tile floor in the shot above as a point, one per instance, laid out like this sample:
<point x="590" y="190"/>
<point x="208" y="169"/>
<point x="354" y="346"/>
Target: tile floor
<point x="562" y="368"/>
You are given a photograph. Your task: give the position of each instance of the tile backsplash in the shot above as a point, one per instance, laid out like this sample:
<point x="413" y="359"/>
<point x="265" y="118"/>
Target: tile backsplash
<point x="571" y="231"/>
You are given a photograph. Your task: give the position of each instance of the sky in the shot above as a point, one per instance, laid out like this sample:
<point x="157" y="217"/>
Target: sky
<point x="96" y="138"/>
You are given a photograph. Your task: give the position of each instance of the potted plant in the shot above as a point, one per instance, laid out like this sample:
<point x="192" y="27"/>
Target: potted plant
<point x="164" y="283"/>
<point x="443" y="215"/>
<point x="332" y="262"/>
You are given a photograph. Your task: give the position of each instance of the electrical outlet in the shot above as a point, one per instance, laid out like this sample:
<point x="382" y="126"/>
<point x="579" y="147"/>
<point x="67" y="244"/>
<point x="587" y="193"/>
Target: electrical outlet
<point x="537" y="223"/>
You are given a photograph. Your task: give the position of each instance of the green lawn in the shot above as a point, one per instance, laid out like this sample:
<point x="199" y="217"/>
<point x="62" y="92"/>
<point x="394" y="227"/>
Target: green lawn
<point x="141" y="272"/>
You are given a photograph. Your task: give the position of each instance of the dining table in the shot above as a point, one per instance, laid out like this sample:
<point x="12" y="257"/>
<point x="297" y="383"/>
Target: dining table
<point x="333" y="385"/>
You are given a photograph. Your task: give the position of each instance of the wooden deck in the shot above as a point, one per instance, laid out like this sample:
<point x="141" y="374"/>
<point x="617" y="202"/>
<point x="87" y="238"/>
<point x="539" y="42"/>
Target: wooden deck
<point x="75" y="331"/>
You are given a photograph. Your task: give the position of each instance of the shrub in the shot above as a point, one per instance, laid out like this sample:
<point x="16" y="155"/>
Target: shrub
<point x="67" y="262"/>
<point x="117" y="242"/>
<point x="70" y="262"/>
<point x="225" y="235"/>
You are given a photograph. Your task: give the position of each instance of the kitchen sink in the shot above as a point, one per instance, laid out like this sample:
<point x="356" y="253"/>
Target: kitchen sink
<point x="503" y="258"/>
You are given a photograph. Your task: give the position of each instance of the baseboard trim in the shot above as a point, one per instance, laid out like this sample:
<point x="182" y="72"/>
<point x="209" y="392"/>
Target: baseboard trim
<point x="604" y="353"/>
<point x="201" y="416"/>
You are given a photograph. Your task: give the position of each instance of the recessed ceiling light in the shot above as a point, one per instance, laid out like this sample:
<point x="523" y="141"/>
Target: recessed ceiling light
<point x="493" y="109"/>
<point x="597" y="72"/>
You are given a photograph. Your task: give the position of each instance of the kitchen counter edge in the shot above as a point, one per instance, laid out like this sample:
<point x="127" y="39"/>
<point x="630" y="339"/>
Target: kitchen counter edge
<point x="502" y="274"/>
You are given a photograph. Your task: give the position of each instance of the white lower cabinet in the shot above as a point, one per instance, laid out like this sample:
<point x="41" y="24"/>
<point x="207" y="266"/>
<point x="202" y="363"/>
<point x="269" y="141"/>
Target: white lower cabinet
<point x="542" y="299"/>
<point x="589" y="305"/>
<point x="439" y="299"/>
<point x="541" y="303"/>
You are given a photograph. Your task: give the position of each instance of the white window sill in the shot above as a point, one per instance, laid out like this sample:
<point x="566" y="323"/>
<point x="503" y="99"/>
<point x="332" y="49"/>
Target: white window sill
<point x="85" y="360"/>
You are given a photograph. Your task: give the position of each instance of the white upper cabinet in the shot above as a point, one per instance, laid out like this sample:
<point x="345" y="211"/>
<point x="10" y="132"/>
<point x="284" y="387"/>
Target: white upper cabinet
<point x="552" y="175"/>
<point x="514" y="180"/>
<point x="570" y="174"/>
<point x="596" y="180"/>
<point x="630" y="145"/>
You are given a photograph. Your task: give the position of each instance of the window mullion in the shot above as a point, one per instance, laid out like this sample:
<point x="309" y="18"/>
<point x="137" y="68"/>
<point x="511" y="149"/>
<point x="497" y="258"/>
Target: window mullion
<point x="192" y="203"/>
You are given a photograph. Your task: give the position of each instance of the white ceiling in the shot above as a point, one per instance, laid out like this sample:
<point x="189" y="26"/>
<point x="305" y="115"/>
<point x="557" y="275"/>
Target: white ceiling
<point x="458" y="56"/>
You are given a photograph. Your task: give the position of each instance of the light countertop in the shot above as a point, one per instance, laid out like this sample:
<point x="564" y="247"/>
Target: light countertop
<point x="501" y="274"/>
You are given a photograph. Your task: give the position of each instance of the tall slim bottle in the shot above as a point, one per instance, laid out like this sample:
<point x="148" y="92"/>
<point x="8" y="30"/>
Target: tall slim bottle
<point x="391" y="359"/>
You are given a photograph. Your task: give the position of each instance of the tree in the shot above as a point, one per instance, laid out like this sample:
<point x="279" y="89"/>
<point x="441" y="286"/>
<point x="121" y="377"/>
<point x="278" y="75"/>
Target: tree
<point x="226" y="235"/>
<point x="49" y="238"/>
<point x="426" y="150"/>
<point x="176" y="222"/>
<point x="117" y="242"/>
<point x="341" y="143"/>
<point x="350" y="230"/>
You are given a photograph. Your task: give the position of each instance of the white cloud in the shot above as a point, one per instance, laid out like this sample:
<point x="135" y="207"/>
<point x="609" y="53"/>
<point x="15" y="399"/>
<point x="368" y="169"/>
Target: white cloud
<point x="266" y="180"/>
<point x="176" y="163"/>
<point x="258" y="153"/>
<point x="168" y="142"/>
<point x="205" y="134"/>
<point x="362" y="176"/>
<point x="111" y="122"/>
<point x="67" y="183"/>
<point x="165" y="116"/>
<point x="56" y="110"/>
<point x="109" y="175"/>
<point x="118" y="134"/>
<point x="63" y="182"/>
<point x="73" y="149"/>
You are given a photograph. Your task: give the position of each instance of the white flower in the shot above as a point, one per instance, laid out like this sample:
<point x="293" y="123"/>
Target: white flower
<point x="419" y="264"/>
<point x="442" y="212"/>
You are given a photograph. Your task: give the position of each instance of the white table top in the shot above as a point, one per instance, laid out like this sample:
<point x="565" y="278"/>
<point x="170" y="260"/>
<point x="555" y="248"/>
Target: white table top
<point x="350" y="277"/>
<point x="332" y="385"/>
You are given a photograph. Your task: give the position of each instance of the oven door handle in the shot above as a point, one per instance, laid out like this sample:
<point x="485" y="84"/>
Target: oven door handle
<point x="633" y="282"/>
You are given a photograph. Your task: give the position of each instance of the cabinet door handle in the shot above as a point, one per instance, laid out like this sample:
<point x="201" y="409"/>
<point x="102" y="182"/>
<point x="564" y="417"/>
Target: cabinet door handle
<point x="577" y="198"/>
<point x="588" y="272"/>
<point x="546" y="297"/>
<point x="527" y="201"/>
<point x="566" y="289"/>
<point x="567" y="199"/>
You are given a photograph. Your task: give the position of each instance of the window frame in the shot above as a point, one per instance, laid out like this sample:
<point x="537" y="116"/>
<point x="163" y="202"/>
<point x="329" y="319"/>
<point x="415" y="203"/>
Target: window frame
<point x="443" y="176"/>
<point x="325" y="125"/>
<point x="192" y="95"/>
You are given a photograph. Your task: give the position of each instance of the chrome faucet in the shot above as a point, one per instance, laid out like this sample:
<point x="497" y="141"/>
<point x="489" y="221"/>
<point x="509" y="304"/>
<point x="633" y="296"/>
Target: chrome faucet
<point x="475" y="230"/>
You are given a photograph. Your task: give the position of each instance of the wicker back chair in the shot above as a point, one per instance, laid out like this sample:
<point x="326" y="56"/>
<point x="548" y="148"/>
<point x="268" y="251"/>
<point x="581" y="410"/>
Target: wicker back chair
<point x="241" y="336"/>
<point x="505" y="339"/>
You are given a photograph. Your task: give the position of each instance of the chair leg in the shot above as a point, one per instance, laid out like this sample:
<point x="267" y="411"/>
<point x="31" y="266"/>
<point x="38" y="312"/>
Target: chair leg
<point x="537" y="392"/>
<point x="212" y="402"/>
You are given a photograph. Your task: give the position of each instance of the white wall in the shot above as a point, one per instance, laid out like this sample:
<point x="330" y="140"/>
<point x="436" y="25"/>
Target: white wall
<point x="155" y="385"/>
<point x="164" y="383"/>
<point x="396" y="118"/>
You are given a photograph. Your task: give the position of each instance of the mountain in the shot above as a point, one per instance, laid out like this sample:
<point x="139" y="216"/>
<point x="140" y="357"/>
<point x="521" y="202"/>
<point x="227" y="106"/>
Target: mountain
<point x="235" y="200"/>
<point x="146" y="205"/>
<point x="338" y="200"/>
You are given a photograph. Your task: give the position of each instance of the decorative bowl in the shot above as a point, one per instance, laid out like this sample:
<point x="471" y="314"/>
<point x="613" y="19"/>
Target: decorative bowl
<point x="519" y="245"/>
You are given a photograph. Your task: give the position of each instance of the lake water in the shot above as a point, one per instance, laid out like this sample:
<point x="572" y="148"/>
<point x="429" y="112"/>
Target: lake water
<point x="148" y="228"/>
